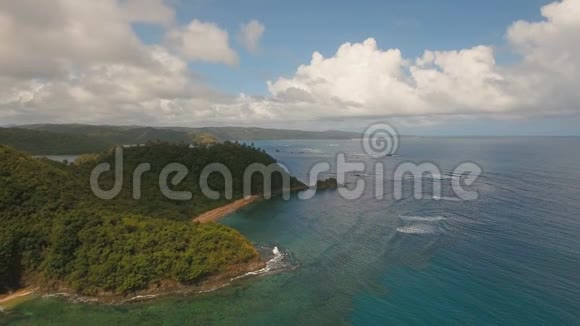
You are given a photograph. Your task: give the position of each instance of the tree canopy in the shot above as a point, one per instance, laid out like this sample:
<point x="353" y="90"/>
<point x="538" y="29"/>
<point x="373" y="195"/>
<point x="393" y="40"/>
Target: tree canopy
<point x="54" y="231"/>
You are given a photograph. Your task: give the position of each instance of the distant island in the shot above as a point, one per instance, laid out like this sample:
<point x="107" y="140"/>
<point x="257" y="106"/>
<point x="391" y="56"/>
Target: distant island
<point x="57" y="236"/>
<point x="69" y="139"/>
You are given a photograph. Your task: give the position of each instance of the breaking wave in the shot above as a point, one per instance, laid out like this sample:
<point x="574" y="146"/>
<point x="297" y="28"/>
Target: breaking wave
<point x="418" y="229"/>
<point x="423" y="218"/>
<point x="447" y="198"/>
<point x="280" y="261"/>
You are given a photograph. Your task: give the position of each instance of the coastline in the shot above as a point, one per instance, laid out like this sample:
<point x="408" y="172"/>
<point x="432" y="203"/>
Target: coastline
<point x="215" y="282"/>
<point x="217" y="213"/>
<point x="210" y="284"/>
<point x="10" y="300"/>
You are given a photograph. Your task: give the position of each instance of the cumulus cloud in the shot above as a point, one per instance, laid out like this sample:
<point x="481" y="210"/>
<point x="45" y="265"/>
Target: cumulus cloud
<point x="81" y="61"/>
<point x="199" y="41"/>
<point x="548" y="75"/>
<point x="250" y="35"/>
<point x="117" y="93"/>
<point x="363" y="80"/>
<point x="460" y="81"/>
<point x="42" y="38"/>
<point x="148" y="11"/>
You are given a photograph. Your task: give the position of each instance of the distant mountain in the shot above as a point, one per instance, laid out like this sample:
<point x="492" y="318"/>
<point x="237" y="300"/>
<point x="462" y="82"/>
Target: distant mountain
<point x="78" y="138"/>
<point x="39" y="142"/>
<point x="116" y="134"/>
<point x="242" y="133"/>
<point x="139" y="134"/>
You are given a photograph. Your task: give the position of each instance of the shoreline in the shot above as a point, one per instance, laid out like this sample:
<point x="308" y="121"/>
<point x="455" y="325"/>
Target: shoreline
<point x="212" y="283"/>
<point x="10" y="300"/>
<point x="217" y="213"/>
<point x="215" y="282"/>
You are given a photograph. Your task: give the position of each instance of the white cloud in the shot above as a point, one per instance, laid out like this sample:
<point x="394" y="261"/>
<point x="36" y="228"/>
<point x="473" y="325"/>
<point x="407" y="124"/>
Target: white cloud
<point x="148" y="11"/>
<point x="45" y="38"/>
<point x="81" y="61"/>
<point x="361" y="80"/>
<point x="548" y="75"/>
<point x="460" y="81"/>
<point x="199" y="41"/>
<point x="117" y="93"/>
<point x="250" y="35"/>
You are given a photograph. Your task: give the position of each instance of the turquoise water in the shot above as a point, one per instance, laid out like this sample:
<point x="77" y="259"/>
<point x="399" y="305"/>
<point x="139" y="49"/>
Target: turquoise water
<point x="512" y="257"/>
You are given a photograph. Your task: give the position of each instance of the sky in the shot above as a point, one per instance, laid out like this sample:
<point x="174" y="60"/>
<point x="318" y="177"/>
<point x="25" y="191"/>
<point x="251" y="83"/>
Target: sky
<point x="428" y="68"/>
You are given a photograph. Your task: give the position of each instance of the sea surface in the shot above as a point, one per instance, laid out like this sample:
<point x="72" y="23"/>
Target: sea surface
<point x="511" y="257"/>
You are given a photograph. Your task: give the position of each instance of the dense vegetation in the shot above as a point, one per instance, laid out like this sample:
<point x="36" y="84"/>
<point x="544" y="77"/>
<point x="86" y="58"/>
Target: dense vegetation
<point x="54" y="231"/>
<point x="329" y="183"/>
<point x="116" y="134"/>
<point x="80" y="139"/>
<point x="140" y="135"/>
<point x="94" y="251"/>
<point x="39" y="142"/>
<point x="241" y="133"/>
<point x="236" y="157"/>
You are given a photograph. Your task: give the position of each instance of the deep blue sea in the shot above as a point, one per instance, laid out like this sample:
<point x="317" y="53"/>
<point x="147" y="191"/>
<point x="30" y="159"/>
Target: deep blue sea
<point x="511" y="257"/>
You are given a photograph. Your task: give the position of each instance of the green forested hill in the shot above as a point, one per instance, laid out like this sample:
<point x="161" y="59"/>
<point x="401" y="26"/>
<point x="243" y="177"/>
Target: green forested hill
<point x="71" y="139"/>
<point x="117" y="134"/>
<point x="243" y="133"/>
<point x="55" y="233"/>
<point x="39" y="142"/>
<point x="139" y="135"/>
<point x="236" y="157"/>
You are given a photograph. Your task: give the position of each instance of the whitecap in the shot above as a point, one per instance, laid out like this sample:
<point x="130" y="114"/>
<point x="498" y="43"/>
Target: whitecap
<point x="422" y="218"/>
<point x="280" y="262"/>
<point x="446" y="198"/>
<point x="417" y="229"/>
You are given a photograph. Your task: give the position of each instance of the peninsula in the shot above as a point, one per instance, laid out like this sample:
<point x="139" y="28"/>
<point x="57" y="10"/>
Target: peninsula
<point x="57" y="236"/>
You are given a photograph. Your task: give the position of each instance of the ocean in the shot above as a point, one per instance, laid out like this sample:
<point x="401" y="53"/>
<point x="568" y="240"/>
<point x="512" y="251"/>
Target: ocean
<point x="510" y="257"/>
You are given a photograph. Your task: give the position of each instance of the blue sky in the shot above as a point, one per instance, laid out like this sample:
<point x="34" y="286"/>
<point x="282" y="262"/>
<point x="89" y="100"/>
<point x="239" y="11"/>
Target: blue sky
<point x="295" y="29"/>
<point x="428" y="67"/>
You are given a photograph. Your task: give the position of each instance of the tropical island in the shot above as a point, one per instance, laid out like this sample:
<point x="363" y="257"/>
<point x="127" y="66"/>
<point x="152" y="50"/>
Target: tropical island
<point x="57" y="236"/>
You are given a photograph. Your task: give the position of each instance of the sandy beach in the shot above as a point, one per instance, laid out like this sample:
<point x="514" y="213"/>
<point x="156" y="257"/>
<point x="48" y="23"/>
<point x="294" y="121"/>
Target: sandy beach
<point x="216" y="214"/>
<point x="9" y="300"/>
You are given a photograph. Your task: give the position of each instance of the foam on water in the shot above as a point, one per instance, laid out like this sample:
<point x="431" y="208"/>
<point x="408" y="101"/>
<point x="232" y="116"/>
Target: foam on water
<point x="417" y="229"/>
<point x="447" y="198"/>
<point x="422" y="218"/>
<point x="516" y="247"/>
<point x="282" y="261"/>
